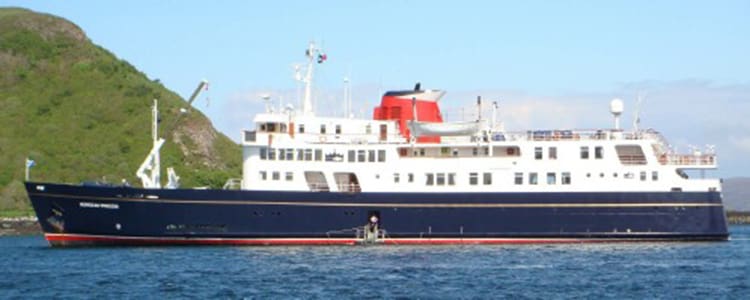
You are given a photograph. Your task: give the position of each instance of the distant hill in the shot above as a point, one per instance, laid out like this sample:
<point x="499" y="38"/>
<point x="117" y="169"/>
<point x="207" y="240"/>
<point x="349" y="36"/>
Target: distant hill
<point x="737" y="193"/>
<point x="83" y="114"/>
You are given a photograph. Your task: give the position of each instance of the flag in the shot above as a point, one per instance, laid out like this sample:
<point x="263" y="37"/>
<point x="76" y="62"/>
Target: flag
<point x="322" y="57"/>
<point x="30" y="163"/>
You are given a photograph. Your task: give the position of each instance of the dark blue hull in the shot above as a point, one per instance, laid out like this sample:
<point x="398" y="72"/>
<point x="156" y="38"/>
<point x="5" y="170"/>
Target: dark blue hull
<point x="71" y="215"/>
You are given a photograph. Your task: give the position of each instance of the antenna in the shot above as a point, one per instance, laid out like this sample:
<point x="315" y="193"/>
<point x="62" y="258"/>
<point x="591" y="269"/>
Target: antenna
<point x="616" y="107"/>
<point x="637" y="117"/>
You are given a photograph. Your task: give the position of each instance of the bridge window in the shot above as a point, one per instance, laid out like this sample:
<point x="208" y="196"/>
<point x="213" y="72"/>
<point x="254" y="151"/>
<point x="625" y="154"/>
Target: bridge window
<point x="381" y="155"/>
<point x="440" y="178"/>
<point x="430" y="179"/>
<point x="473" y="178"/>
<point x="551" y="178"/>
<point x="318" y="154"/>
<point x="565" y="178"/>
<point x="552" y="153"/>
<point x="289" y="154"/>
<point x="533" y="178"/>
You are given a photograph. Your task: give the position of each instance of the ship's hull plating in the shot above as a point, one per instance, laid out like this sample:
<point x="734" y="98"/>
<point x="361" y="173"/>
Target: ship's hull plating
<point x="91" y="215"/>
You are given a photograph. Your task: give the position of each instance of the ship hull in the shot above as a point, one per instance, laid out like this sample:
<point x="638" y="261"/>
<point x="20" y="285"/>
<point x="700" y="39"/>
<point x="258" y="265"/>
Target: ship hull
<point x="95" y="215"/>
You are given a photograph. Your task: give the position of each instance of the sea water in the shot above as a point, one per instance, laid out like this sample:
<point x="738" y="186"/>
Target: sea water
<point x="31" y="269"/>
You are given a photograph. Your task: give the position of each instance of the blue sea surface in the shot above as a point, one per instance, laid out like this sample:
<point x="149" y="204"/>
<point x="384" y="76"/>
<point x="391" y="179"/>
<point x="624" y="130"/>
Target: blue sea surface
<point x="31" y="269"/>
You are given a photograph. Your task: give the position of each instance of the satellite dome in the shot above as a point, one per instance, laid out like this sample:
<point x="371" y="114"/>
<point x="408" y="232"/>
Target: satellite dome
<point x="616" y="106"/>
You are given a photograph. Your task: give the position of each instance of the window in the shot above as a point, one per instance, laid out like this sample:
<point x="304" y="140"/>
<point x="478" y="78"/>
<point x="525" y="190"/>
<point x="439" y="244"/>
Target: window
<point x="396" y="178"/>
<point x="451" y="178"/>
<point x="430" y="179"/>
<point x="486" y="151"/>
<point x="473" y="178"/>
<point x="318" y="154"/>
<point x="440" y="178"/>
<point x="411" y="177"/>
<point x="654" y="175"/>
<point x="566" y="178"/>
<point x="351" y="156"/>
<point x="308" y="154"/>
<point x="322" y="128"/>
<point x="263" y="175"/>
<point x="371" y="155"/>
<point x="475" y="151"/>
<point x="272" y="154"/>
<point x="455" y="152"/>
<point x="368" y="129"/>
<point x="361" y="155"/>
<point x="598" y="152"/>
<point x="289" y="176"/>
<point x="552" y="153"/>
<point x="282" y="155"/>
<point x="263" y="153"/>
<point x="275" y="175"/>
<point x="551" y="178"/>
<point x="533" y="178"/>
<point x="289" y="154"/>
<point x="381" y="155"/>
<point x="301" y="128"/>
<point x="584" y="152"/>
<point x="421" y="152"/>
<point x="300" y="154"/>
<point x="518" y="178"/>
<point x="487" y="178"/>
<point x="537" y="152"/>
<point x="643" y="175"/>
<point x="338" y="129"/>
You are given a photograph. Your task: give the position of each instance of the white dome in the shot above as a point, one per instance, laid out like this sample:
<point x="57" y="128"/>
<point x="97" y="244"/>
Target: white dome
<point x="616" y="106"/>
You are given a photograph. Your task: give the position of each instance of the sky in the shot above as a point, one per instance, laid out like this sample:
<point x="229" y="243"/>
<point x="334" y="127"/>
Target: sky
<point x="549" y="64"/>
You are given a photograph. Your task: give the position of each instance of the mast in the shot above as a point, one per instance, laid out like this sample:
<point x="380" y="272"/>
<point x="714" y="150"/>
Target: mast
<point x="307" y="108"/>
<point x="152" y="161"/>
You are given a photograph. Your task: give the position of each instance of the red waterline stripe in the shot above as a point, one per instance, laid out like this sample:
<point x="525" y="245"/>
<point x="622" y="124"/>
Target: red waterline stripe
<point x="75" y="239"/>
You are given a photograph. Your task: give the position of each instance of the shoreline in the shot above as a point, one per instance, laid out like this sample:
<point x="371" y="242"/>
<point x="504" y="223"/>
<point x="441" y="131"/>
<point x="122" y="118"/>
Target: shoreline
<point x="30" y="226"/>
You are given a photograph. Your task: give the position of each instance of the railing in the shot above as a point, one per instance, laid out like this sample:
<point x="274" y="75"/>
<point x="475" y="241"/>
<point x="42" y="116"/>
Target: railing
<point x="318" y="187"/>
<point x="688" y="159"/>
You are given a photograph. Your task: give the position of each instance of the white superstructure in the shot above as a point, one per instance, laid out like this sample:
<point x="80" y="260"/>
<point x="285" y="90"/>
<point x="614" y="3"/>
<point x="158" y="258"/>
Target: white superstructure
<point x="298" y="151"/>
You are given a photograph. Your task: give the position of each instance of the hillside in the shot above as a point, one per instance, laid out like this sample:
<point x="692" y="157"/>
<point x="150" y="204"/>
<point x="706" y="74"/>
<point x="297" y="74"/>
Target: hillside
<point x="737" y="193"/>
<point x="83" y="114"/>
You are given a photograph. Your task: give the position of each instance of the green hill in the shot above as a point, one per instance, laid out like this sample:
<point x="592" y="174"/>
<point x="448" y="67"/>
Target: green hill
<point x="83" y="114"/>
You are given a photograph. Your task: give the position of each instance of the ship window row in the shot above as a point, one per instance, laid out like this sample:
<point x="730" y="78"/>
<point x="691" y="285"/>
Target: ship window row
<point x="366" y="155"/>
<point x="598" y="152"/>
<point x="643" y="176"/>
<point x="551" y="178"/>
<point x="551" y="153"/>
<point x="397" y="177"/>
<point x="290" y="154"/>
<point x="276" y="175"/>
<point x="440" y="179"/>
<point x="317" y="155"/>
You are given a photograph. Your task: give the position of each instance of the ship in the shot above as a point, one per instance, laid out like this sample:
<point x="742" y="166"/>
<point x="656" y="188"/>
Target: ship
<point x="404" y="177"/>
